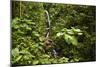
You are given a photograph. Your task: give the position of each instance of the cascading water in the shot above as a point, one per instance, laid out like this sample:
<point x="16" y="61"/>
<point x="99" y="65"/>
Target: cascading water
<point x="48" y="23"/>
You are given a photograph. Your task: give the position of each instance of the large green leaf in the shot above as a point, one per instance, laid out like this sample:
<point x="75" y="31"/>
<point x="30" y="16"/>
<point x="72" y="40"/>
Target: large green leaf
<point x="59" y="34"/>
<point x="70" y="39"/>
<point x="15" y="52"/>
<point x="18" y="58"/>
<point x="35" y="62"/>
<point x="34" y="33"/>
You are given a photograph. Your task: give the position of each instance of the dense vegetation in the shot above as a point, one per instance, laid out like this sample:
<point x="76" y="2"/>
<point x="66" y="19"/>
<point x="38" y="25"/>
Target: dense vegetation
<point x="72" y="33"/>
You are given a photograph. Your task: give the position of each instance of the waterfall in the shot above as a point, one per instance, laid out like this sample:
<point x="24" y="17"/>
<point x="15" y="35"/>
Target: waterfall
<point x="48" y="18"/>
<point x="48" y="23"/>
<point x="54" y="53"/>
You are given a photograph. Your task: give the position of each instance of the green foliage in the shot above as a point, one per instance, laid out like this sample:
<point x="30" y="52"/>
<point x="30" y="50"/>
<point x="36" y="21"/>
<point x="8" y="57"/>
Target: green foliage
<point x="70" y="35"/>
<point x="72" y="32"/>
<point x="63" y="60"/>
<point x="28" y="45"/>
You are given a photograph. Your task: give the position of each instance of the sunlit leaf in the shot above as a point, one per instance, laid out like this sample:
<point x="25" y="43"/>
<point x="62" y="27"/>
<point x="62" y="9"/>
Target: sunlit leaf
<point x="70" y="39"/>
<point x="59" y="34"/>
<point x="15" y="52"/>
<point x="35" y="62"/>
<point x="18" y="58"/>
